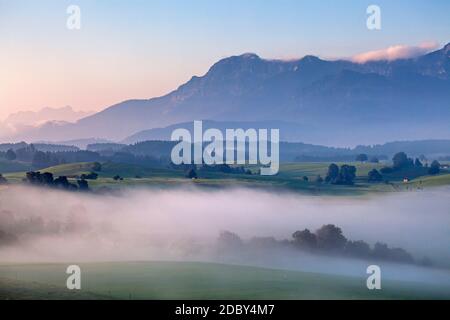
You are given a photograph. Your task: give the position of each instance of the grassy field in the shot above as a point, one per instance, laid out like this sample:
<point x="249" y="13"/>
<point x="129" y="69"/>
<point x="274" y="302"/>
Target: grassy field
<point x="430" y="181"/>
<point x="189" y="280"/>
<point x="289" y="177"/>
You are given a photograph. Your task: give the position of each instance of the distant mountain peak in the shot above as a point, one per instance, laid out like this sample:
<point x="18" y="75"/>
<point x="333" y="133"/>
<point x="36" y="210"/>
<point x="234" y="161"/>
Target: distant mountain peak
<point x="237" y="65"/>
<point x="310" y="58"/>
<point x="249" y="55"/>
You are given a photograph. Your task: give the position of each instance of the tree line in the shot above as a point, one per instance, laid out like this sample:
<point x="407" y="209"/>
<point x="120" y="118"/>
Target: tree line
<point x="46" y="179"/>
<point x="44" y="159"/>
<point x="327" y="240"/>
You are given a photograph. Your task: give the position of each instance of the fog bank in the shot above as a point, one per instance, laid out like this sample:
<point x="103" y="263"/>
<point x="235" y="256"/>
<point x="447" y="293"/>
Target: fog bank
<point x="44" y="225"/>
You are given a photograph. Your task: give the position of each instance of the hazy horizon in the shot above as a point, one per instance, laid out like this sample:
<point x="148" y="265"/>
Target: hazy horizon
<point x="140" y="55"/>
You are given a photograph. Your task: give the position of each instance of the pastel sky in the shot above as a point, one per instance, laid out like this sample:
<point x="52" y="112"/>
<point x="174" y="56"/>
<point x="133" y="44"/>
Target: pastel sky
<point x="141" y="49"/>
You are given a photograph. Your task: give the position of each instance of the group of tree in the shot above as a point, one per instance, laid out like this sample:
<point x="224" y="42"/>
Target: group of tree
<point x="47" y="157"/>
<point x="402" y="161"/>
<point x="345" y="175"/>
<point x="327" y="240"/>
<point x="46" y="179"/>
<point x="330" y="239"/>
<point x="43" y="159"/>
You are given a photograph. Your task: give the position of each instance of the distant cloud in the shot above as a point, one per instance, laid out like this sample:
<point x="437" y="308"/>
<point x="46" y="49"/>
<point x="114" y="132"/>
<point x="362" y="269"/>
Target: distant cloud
<point x="395" y="52"/>
<point x="24" y="120"/>
<point x="35" y="118"/>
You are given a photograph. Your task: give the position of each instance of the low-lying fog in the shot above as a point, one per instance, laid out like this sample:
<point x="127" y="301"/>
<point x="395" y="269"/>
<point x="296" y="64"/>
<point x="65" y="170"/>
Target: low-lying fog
<point x="43" y="225"/>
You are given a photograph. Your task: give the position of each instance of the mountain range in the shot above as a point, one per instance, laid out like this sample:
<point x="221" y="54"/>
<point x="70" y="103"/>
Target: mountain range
<point x="328" y="102"/>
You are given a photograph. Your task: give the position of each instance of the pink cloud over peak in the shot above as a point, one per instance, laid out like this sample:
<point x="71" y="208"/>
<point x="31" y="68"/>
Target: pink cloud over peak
<point x="395" y="52"/>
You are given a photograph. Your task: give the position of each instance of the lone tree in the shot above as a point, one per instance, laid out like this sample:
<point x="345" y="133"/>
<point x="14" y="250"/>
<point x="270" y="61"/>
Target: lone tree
<point x="10" y="155"/>
<point x="374" y="160"/>
<point x="435" y="167"/>
<point x="375" y="176"/>
<point x="362" y="157"/>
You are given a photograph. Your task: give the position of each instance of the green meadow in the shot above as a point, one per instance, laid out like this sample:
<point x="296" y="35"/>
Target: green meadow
<point x="193" y="280"/>
<point x="290" y="177"/>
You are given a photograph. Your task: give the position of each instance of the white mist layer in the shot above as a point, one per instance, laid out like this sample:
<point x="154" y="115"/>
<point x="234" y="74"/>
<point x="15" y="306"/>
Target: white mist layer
<point x="55" y="226"/>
